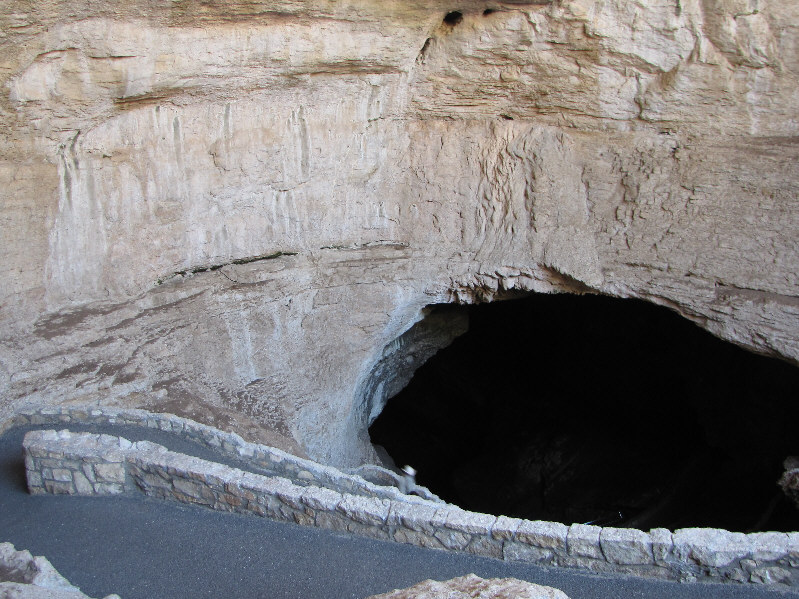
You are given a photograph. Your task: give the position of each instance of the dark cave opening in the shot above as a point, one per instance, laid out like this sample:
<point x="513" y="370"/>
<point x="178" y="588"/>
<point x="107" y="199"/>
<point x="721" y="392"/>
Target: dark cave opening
<point x="453" y="18"/>
<point x="598" y="410"/>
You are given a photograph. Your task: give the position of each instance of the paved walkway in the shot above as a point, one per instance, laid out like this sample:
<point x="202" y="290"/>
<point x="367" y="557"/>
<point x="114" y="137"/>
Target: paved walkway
<point x="145" y="548"/>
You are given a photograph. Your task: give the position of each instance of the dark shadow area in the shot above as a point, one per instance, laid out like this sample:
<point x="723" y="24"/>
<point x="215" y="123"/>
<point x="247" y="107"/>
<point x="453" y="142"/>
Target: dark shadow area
<point x="594" y="409"/>
<point x="12" y="469"/>
<point x="453" y="18"/>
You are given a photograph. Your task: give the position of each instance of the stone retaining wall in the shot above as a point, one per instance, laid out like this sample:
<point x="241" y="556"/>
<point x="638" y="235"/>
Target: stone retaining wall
<point x="269" y="460"/>
<point x="82" y="463"/>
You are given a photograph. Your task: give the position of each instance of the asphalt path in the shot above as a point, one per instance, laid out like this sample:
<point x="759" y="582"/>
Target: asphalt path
<point x="146" y="548"/>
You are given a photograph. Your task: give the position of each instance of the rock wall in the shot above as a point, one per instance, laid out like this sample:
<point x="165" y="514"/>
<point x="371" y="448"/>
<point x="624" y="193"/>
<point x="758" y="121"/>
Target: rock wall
<point x="23" y="576"/>
<point x="229" y="211"/>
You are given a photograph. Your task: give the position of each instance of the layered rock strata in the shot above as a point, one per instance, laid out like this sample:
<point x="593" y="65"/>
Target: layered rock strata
<point x="234" y="211"/>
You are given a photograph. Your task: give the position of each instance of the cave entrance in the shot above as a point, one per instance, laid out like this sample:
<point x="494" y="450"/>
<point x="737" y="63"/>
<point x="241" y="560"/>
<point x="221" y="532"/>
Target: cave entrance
<point x="598" y="410"/>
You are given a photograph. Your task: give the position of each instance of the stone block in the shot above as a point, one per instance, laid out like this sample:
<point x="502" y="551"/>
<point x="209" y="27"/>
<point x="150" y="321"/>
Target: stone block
<point x="304" y="517"/>
<point x="737" y="575"/>
<point x="321" y="499"/>
<point x="366" y="510"/>
<point x="768" y="546"/>
<point x="626" y="546"/>
<point x="189" y="488"/>
<point x="229" y="499"/>
<point x="289" y="493"/>
<point x="82" y="484"/>
<point x="61" y="475"/>
<point x="505" y="528"/>
<point x="369" y="530"/>
<point x="332" y="521"/>
<point x="485" y="546"/>
<point x="31" y="448"/>
<point x="549" y="535"/>
<point x="257" y="508"/>
<point x="588" y="564"/>
<point x="79" y="415"/>
<point x="440" y="517"/>
<point x="88" y="472"/>
<point x="710" y="547"/>
<point x="245" y="451"/>
<point x="34" y="480"/>
<point x="68" y="462"/>
<point x="58" y="488"/>
<point x="108" y="489"/>
<point x="452" y="539"/>
<point x="771" y="575"/>
<point x="110" y="473"/>
<point x="149" y="480"/>
<point x="418" y="538"/>
<point x="583" y="541"/>
<point x="272" y="507"/>
<point x="793" y="549"/>
<point x="472" y="523"/>
<point x="414" y="516"/>
<point x="662" y="545"/>
<point x="521" y="552"/>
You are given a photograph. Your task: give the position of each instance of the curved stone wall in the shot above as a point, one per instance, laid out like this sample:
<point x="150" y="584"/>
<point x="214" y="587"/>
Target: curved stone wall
<point x="265" y="459"/>
<point x="90" y="464"/>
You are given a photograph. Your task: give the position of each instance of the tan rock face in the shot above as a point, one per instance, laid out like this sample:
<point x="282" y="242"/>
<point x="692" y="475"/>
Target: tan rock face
<point x="231" y="211"/>
<point x="474" y="587"/>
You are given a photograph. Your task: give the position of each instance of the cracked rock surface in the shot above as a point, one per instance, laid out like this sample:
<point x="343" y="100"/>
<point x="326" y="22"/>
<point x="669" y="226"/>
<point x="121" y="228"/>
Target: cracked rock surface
<point x="474" y="587"/>
<point x="232" y="211"/>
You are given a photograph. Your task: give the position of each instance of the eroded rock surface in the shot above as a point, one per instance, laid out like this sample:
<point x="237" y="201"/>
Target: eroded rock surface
<point x="474" y="587"/>
<point x="789" y="481"/>
<point x="23" y="576"/>
<point x="230" y="211"/>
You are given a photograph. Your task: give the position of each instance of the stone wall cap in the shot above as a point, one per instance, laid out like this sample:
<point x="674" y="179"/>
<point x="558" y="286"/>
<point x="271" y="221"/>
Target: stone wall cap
<point x="470" y="522"/>
<point x="768" y="546"/>
<point x="711" y="546"/>
<point x="540" y="533"/>
<point x="582" y="540"/>
<point x="626" y="546"/>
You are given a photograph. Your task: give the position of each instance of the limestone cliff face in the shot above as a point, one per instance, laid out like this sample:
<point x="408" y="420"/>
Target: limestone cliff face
<point x="231" y="210"/>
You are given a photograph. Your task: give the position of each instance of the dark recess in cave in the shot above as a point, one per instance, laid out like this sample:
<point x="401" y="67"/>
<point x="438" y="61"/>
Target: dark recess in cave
<point x="453" y="18"/>
<point x="594" y="409"/>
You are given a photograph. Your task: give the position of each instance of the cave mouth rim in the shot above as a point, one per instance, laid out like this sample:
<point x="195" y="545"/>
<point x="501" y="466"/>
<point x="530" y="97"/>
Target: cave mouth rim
<point x="687" y="322"/>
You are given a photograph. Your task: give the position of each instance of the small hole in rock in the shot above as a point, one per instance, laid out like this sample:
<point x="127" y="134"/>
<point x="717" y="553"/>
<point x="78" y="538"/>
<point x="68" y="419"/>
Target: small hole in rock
<point x="489" y="11"/>
<point x="453" y="18"/>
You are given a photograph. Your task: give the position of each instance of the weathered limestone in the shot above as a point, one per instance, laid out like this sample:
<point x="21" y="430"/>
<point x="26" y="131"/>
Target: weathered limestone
<point x="57" y="461"/>
<point x="23" y="576"/>
<point x="234" y="211"/>
<point x="474" y="587"/>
